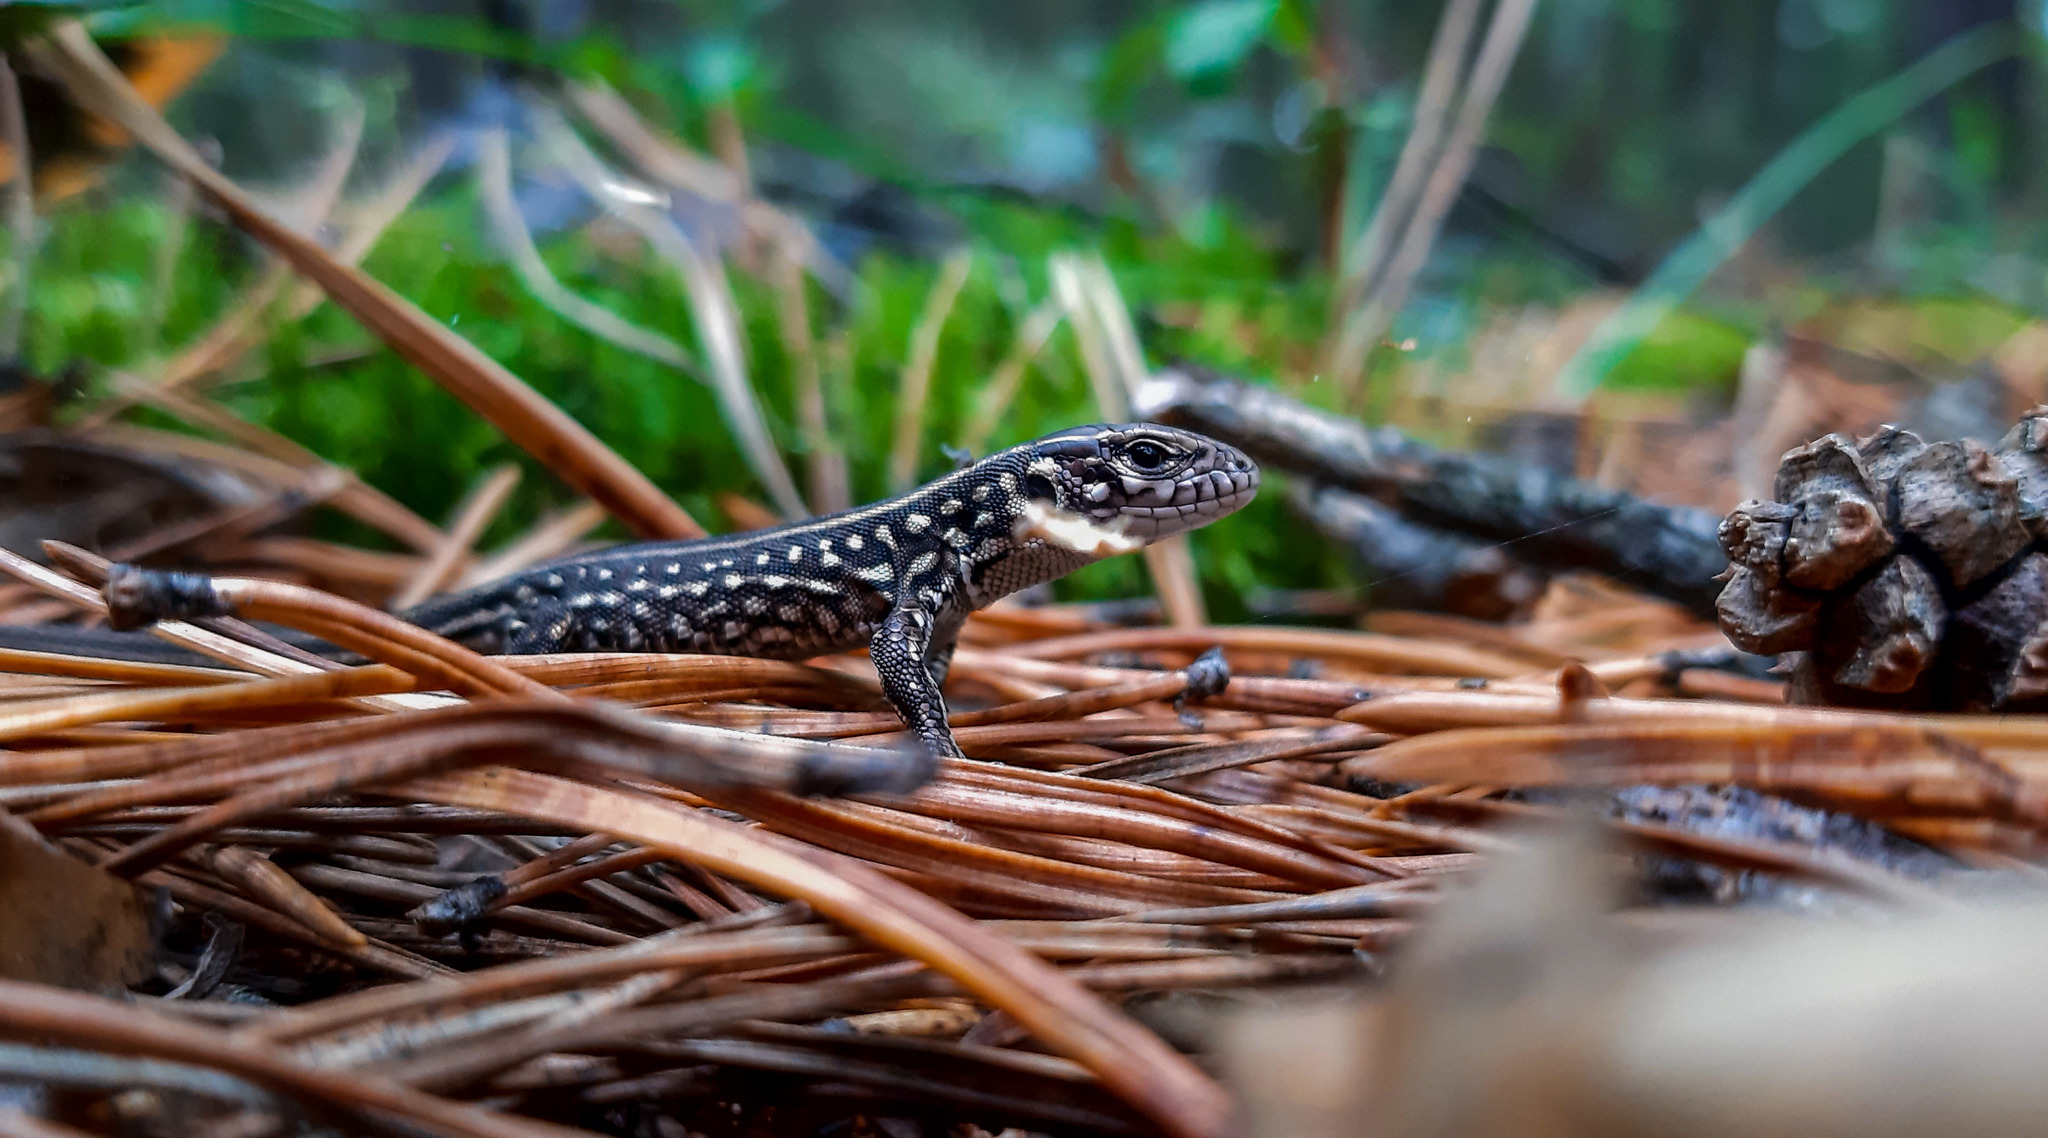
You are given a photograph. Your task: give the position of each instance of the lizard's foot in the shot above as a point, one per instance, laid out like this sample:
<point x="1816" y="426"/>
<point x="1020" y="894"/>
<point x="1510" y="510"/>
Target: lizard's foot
<point x="942" y="745"/>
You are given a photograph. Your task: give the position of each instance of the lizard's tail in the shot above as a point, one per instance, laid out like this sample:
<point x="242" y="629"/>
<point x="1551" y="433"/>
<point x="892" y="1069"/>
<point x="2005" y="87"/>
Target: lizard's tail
<point x="100" y="643"/>
<point x="474" y="617"/>
<point x="471" y="618"/>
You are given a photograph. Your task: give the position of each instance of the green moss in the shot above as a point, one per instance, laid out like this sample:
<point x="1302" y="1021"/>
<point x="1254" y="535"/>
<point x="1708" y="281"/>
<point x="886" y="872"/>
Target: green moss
<point x="1687" y="352"/>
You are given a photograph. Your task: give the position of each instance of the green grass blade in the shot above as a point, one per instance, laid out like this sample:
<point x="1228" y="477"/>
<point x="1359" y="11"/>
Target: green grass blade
<point x="1773" y="187"/>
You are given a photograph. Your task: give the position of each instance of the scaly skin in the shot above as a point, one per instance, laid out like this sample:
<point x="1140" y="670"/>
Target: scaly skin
<point x="898" y="576"/>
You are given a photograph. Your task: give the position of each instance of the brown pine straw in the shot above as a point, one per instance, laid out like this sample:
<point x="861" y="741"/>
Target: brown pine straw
<point x="1129" y="1060"/>
<point x="300" y="764"/>
<point x="176" y="632"/>
<point x="33" y="1011"/>
<point x="472" y="514"/>
<point x="1228" y="840"/>
<point x="1904" y="763"/>
<point x="529" y="420"/>
<point x="1391" y="653"/>
<point x="254" y="874"/>
<point x="119" y="670"/>
<point x="747" y="940"/>
<point x="21" y="720"/>
<point x="376" y="956"/>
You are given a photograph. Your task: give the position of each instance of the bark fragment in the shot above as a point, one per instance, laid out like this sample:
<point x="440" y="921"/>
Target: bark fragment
<point x="1959" y="500"/>
<point x="1415" y="566"/>
<point x="1989" y="638"/>
<point x="1882" y="636"/>
<point x="1555" y="521"/>
<point x="1757" y="610"/>
<point x="1886" y="452"/>
<point x="1836" y="530"/>
<point x="2024" y="451"/>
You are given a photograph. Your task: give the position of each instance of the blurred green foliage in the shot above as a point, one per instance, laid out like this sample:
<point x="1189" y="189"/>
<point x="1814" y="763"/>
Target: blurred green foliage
<point x="1240" y="121"/>
<point x="324" y="383"/>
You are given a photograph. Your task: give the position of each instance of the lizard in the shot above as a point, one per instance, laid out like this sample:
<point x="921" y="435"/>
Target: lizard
<point x="898" y="577"/>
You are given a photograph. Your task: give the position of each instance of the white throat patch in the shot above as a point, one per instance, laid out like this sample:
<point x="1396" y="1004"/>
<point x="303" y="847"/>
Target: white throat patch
<point x="1075" y="533"/>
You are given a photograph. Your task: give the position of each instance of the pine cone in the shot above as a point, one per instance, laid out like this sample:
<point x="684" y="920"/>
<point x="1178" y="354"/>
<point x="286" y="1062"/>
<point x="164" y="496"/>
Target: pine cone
<point x="1895" y="573"/>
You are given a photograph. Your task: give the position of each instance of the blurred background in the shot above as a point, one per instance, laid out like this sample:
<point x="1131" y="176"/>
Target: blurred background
<point x="786" y="255"/>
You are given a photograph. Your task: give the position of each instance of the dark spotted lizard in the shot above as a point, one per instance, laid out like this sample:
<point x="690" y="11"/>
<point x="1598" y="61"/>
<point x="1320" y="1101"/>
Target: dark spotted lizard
<point x="898" y="576"/>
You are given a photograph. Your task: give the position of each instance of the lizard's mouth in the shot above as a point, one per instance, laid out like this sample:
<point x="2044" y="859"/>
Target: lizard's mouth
<point x="1188" y="503"/>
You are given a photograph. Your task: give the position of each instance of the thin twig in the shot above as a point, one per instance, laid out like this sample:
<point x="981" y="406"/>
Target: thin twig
<point x="356" y="498"/>
<point x="712" y="309"/>
<point x="1489" y="73"/>
<point x="471" y="516"/>
<point x="532" y="422"/>
<point x="549" y="537"/>
<point x="236" y="333"/>
<point x="670" y="162"/>
<point x="1116" y="368"/>
<point x="1365" y="260"/>
<point x="179" y="200"/>
<point x="20" y="211"/>
<point x="913" y="390"/>
<point x="836" y="361"/>
<point x="1001" y="390"/>
<point x="183" y="635"/>
<point x="494" y="176"/>
<point x="41" y="1012"/>
<point x="825" y="460"/>
<point x="1065" y="271"/>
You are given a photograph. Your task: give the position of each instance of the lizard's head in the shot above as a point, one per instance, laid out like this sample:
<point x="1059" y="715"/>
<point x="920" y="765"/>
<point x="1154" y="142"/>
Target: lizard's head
<point x="1112" y="488"/>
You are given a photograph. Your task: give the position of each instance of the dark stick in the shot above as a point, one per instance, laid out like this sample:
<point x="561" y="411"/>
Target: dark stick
<point x="1550" y="519"/>
<point x="1410" y="565"/>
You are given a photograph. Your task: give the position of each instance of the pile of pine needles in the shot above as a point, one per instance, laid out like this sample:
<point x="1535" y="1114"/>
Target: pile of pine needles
<point x="475" y="893"/>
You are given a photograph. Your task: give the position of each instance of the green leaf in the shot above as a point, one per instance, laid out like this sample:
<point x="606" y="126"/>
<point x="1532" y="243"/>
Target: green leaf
<point x="718" y="66"/>
<point x="1211" y="40"/>
<point x="1129" y="63"/>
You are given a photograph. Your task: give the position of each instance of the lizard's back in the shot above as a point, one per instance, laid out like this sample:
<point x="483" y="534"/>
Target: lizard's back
<point x="776" y="593"/>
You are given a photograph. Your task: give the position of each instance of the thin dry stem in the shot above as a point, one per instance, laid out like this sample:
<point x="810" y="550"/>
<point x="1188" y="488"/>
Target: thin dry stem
<point x="1375" y="314"/>
<point x="1003" y="383"/>
<point x="19" y="210"/>
<point x="713" y="312"/>
<point x="530" y="421"/>
<point x="913" y="389"/>
<point x="494" y="174"/>
<point x="472" y="514"/>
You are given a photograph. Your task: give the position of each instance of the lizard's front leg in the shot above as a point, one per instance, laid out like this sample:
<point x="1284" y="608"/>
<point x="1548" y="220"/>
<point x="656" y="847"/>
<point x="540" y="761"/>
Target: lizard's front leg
<point x="902" y="652"/>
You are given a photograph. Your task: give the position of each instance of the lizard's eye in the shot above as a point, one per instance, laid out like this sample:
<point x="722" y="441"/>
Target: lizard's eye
<point x="1146" y="455"/>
